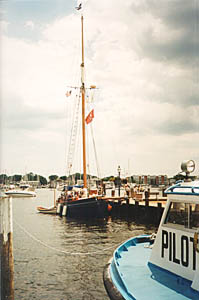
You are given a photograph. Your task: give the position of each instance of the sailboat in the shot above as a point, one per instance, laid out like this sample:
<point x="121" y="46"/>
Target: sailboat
<point x="85" y="206"/>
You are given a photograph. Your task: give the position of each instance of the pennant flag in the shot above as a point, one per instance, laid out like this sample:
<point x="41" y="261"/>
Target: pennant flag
<point x="90" y="116"/>
<point x="79" y="6"/>
<point x="68" y="93"/>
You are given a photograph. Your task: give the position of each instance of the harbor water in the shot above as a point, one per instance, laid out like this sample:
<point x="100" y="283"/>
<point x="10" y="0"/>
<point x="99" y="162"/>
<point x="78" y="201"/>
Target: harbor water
<point x="60" y="259"/>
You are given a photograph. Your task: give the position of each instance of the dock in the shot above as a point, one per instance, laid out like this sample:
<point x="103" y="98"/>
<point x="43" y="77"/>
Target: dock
<point x="6" y="249"/>
<point x="143" y="208"/>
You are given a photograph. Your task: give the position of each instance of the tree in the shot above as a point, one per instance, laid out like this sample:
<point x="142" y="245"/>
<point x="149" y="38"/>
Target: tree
<point x="63" y="178"/>
<point x="179" y="177"/>
<point x="109" y="178"/>
<point x="29" y="177"/>
<point x="182" y="177"/>
<point x="53" y="177"/>
<point x="42" y="180"/>
<point x="78" y="176"/>
<point x="3" y="178"/>
<point x="17" y="178"/>
<point x="132" y="179"/>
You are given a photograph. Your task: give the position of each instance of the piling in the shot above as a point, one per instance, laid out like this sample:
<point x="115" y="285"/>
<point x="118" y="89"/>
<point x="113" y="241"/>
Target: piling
<point x="6" y="249"/>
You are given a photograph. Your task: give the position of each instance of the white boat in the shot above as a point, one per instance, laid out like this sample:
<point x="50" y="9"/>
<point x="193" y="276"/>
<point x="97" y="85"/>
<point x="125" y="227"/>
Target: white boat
<point x="47" y="210"/>
<point x="166" y="265"/>
<point x="20" y="193"/>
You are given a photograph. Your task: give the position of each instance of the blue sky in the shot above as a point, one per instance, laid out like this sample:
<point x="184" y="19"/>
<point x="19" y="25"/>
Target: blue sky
<point x="144" y="57"/>
<point x="18" y="12"/>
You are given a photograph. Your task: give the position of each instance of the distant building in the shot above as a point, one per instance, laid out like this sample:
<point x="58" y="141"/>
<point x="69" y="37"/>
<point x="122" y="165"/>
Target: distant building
<point x="155" y="180"/>
<point x="137" y="179"/>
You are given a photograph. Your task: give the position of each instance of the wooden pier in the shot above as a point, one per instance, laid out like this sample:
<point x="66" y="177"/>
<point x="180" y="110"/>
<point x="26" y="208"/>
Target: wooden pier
<point x="143" y="210"/>
<point x="6" y="249"/>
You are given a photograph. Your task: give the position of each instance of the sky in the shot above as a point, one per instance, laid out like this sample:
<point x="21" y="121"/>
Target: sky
<point x="143" y="56"/>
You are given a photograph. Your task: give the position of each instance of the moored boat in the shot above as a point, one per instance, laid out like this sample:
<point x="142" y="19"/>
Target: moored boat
<point x="20" y="193"/>
<point x="83" y="205"/>
<point x="166" y="265"/>
<point x="89" y="207"/>
<point x="47" y="210"/>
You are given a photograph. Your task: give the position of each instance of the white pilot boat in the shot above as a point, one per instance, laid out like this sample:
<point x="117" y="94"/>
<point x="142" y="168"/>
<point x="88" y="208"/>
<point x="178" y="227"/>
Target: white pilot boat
<point x="166" y="265"/>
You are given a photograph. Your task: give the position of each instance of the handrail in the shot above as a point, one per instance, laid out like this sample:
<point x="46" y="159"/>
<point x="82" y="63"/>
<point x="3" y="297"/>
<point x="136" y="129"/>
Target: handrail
<point x="171" y="189"/>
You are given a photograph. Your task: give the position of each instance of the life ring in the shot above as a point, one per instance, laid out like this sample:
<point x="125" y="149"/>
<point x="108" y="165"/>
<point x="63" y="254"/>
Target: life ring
<point x="195" y="241"/>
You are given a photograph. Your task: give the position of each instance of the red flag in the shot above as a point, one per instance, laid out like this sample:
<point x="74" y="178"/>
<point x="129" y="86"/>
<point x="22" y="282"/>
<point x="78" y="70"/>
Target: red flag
<point x="90" y="116"/>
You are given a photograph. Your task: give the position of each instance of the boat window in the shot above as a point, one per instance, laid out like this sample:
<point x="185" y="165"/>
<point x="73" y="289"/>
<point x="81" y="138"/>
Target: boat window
<point x="183" y="214"/>
<point x="194" y="216"/>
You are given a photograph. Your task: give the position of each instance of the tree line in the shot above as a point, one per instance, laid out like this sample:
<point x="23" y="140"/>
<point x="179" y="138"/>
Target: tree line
<point x="5" y="179"/>
<point x="16" y="178"/>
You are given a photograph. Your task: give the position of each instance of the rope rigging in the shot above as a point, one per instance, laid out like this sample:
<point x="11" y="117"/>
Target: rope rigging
<point x="74" y="159"/>
<point x="73" y="135"/>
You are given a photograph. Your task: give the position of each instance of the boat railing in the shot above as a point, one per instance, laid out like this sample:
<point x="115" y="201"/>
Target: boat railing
<point x="190" y="190"/>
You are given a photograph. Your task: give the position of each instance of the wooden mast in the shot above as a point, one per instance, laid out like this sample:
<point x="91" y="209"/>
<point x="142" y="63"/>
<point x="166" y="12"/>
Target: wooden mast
<point x="83" y="109"/>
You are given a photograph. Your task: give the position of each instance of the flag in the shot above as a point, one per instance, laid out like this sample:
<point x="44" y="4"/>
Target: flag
<point x="79" y="6"/>
<point x="68" y="93"/>
<point x="90" y="116"/>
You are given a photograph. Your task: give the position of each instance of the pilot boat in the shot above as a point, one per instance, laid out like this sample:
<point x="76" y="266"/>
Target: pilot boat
<point x="163" y="265"/>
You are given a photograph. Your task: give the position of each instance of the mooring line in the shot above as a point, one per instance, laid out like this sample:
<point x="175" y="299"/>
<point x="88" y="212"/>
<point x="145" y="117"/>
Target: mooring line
<point x="59" y="250"/>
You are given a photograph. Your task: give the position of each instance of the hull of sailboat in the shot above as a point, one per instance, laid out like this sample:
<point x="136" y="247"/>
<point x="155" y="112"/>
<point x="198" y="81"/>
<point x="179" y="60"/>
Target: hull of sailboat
<point x="92" y="207"/>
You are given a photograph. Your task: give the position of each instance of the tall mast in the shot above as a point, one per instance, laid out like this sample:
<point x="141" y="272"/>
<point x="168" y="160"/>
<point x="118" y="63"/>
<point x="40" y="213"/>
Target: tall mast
<point x="83" y="108"/>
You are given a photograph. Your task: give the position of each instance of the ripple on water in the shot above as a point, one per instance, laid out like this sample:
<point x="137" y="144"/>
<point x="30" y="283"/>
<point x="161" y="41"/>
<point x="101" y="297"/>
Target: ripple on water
<point x="43" y="271"/>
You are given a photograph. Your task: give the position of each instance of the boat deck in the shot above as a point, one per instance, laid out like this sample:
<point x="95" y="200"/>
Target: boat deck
<point x="138" y="280"/>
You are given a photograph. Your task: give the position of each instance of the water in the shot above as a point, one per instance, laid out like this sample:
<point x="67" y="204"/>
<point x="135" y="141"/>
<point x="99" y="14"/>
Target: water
<point x="60" y="259"/>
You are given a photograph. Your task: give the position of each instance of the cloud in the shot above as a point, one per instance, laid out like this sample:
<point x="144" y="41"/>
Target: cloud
<point x="30" y="24"/>
<point x="142" y="55"/>
<point x="172" y="31"/>
<point x="3" y="26"/>
<point x="181" y="122"/>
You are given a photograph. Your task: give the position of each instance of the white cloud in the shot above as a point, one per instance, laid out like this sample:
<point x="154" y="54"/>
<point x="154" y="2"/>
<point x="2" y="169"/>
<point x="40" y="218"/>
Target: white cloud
<point x="147" y="109"/>
<point x="30" y="24"/>
<point x="3" y="26"/>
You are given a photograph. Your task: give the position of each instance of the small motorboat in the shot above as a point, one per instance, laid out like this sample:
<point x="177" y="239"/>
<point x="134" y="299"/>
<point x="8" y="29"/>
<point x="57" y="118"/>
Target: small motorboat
<point x="20" y="193"/>
<point x="47" y="210"/>
<point x="163" y="265"/>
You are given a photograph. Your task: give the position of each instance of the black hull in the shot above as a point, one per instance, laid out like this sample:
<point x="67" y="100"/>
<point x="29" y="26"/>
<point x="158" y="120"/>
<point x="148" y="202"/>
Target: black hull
<point x="87" y="208"/>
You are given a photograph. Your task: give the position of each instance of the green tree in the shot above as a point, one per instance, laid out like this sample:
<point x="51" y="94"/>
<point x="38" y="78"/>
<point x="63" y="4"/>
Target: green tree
<point x="30" y="176"/>
<point x="78" y="176"/>
<point x="179" y="177"/>
<point x="53" y="177"/>
<point x="3" y="178"/>
<point x="42" y="180"/>
<point x="17" y="178"/>
<point x="63" y="178"/>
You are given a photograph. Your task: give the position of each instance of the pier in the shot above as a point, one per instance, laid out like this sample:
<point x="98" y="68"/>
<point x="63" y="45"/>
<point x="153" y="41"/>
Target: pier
<point x="6" y="249"/>
<point x="146" y="207"/>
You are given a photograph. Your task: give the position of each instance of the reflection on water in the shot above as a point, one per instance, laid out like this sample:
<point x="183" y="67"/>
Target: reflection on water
<point x="57" y="258"/>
